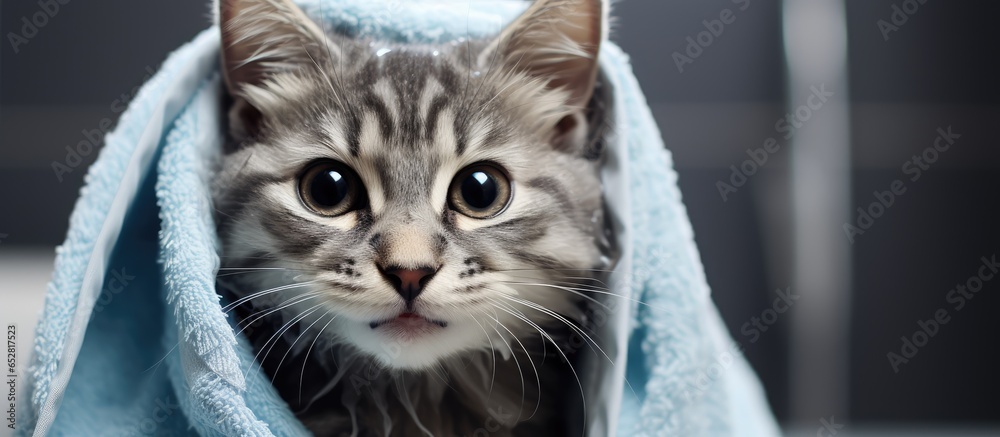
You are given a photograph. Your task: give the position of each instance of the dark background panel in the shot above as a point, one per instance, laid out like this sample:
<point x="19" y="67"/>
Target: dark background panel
<point x="744" y="63"/>
<point x="938" y="233"/>
<point x="943" y="53"/>
<point x="90" y="52"/>
<point x="935" y="71"/>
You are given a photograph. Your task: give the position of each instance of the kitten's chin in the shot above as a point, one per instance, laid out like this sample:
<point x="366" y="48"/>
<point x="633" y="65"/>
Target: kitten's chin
<point x="412" y="342"/>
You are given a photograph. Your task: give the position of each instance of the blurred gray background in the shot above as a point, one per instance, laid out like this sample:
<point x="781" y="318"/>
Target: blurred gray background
<point x="827" y="357"/>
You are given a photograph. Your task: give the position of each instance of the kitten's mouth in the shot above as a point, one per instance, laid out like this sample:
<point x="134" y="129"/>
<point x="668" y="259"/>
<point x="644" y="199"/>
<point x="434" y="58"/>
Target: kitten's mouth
<point x="408" y="320"/>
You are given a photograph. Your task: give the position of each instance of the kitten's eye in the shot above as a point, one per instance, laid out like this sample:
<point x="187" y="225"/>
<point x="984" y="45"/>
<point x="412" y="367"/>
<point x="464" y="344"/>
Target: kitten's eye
<point x="330" y="188"/>
<point x="480" y="191"/>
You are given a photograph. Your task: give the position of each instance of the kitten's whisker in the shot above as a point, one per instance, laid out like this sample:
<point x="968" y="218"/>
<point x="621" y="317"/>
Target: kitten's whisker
<point x="557" y="269"/>
<point x="267" y="310"/>
<point x="578" y="285"/>
<point x="261" y="268"/>
<point x="223" y="212"/>
<point x="252" y="296"/>
<point x="242" y="271"/>
<point x="608" y="293"/>
<point x="160" y="361"/>
<point x="538" y="378"/>
<point x="250" y="257"/>
<point x="562" y="319"/>
<point x="308" y="351"/>
<point x="438" y="370"/>
<point x="492" y="349"/>
<point x="517" y="362"/>
<point x="578" y="293"/>
<point x="228" y="266"/>
<point x="590" y="340"/>
<point x="292" y="346"/>
<point x="246" y="320"/>
<point x="277" y="337"/>
<point x="297" y="300"/>
<point x="408" y="406"/>
<point x="341" y="371"/>
<point x="575" y="286"/>
<point x="576" y="280"/>
<point x="548" y="337"/>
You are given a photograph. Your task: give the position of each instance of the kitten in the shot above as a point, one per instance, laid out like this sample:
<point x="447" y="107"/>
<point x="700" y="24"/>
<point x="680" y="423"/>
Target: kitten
<point x="406" y="227"/>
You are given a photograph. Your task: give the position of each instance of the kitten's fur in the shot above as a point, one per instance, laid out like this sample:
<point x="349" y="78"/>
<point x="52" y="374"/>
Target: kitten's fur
<point x="407" y="119"/>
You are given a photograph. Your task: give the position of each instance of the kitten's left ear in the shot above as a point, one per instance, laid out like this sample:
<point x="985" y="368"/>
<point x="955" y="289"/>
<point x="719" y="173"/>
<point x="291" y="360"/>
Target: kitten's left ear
<point x="261" y="38"/>
<point x="557" y="41"/>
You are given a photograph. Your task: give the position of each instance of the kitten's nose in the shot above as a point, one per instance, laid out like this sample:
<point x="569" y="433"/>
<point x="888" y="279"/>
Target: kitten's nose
<point x="408" y="282"/>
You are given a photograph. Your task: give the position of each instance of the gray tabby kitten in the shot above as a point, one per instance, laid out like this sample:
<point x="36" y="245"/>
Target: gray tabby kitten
<point x="405" y="227"/>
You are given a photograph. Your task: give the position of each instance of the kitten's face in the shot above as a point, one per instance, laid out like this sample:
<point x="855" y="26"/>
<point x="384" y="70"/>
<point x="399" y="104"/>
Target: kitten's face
<point x="409" y="199"/>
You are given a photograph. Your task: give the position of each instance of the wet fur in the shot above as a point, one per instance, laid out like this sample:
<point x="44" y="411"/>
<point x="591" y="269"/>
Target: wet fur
<point x="306" y="287"/>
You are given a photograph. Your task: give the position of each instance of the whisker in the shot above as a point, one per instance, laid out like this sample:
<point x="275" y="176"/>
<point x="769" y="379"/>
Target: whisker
<point x="308" y="351"/>
<point x="160" y="361"/>
<point x="578" y="293"/>
<point x="268" y="258"/>
<point x="548" y="337"/>
<point x="559" y="317"/>
<point x="277" y="337"/>
<point x="269" y="311"/>
<point x="252" y="296"/>
<point x="292" y="346"/>
<point x="607" y="293"/>
<point x="554" y="269"/>
<point x="518" y="363"/>
<point x="298" y="272"/>
<point x="222" y="269"/>
<point x="492" y="349"/>
<point x="591" y="342"/>
<point x="575" y="279"/>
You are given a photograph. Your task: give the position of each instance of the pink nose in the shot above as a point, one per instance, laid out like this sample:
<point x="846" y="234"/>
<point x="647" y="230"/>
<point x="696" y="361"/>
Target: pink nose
<point x="408" y="282"/>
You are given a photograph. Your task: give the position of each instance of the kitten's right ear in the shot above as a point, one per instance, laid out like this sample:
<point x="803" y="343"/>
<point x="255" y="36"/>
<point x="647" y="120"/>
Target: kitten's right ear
<point x="556" y="41"/>
<point x="261" y="38"/>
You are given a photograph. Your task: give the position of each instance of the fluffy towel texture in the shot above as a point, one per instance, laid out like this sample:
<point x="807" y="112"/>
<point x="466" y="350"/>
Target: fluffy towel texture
<point x="160" y="357"/>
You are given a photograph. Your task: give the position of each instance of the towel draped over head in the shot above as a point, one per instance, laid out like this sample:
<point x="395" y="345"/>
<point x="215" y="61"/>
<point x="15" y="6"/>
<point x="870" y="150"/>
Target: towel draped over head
<point x="133" y="339"/>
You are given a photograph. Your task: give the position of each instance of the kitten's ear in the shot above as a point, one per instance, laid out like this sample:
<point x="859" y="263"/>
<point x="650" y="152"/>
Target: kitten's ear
<point x="261" y="38"/>
<point x="555" y="40"/>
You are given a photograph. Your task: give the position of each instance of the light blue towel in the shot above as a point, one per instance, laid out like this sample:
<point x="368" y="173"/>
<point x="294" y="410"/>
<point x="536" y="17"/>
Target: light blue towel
<point x="133" y="340"/>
